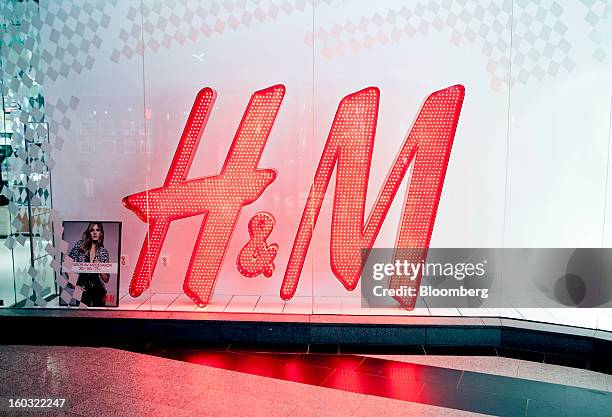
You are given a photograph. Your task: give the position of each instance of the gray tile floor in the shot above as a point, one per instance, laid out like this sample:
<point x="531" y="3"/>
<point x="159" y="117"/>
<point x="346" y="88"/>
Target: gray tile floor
<point x="497" y="365"/>
<point x="111" y="382"/>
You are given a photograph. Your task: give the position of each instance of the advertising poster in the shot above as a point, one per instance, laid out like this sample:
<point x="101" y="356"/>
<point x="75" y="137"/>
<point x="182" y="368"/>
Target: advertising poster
<point x="93" y="256"/>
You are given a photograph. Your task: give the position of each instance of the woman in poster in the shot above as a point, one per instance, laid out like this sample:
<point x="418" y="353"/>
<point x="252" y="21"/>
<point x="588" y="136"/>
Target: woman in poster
<point x="90" y="249"/>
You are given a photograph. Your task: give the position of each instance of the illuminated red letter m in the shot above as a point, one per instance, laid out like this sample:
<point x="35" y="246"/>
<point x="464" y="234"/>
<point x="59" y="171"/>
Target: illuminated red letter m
<point x="349" y="147"/>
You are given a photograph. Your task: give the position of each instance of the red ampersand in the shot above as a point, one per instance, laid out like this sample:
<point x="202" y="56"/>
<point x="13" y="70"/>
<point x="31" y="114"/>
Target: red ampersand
<point x="257" y="257"/>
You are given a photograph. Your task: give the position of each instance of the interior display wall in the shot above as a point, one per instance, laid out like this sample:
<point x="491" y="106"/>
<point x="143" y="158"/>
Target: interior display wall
<point x="529" y="166"/>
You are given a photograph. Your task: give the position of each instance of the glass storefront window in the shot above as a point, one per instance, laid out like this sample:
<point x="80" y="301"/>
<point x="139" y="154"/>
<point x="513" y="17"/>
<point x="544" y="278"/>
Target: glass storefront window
<point x="96" y="97"/>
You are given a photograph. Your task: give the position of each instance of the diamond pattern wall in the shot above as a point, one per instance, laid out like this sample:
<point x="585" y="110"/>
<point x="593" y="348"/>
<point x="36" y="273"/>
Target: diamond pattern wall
<point x="539" y="46"/>
<point x="26" y="134"/>
<point x="75" y="30"/>
<point x="599" y="18"/>
<point x="169" y="23"/>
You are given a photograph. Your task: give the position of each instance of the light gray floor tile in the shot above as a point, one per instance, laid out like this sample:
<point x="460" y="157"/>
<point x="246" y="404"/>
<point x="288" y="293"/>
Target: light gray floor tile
<point x="110" y="404"/>
<point x="385" y="407"/>
<point x="216" y="304"/>
<point x="112" y="382"/>
<point x="173" y="392"/>
<point x="327" y="305"/>
<point x="269" y="304"/>
<point x="16" y="384"/>
<point x="40" y="413"/>
<point x="242" y="304"/>
<point x="512" y="367"/>
<point x="219" y="403"/>
<point x="75" y="353"/>
<point x="202" y="379"/>
<point x="158" y="302"/>
<point x="24" y="360"/>
<point x="298" y="305"/>
<point x="26" y="386"/>
<point x="485" y="364"/>
<point x="562" y="375"/>
<point x="324" y="400"/>
<point x="143" y="366"/>
<point x="182" y="303"/>
<point x="300" y="411"/>
<point x="75" y="372"/>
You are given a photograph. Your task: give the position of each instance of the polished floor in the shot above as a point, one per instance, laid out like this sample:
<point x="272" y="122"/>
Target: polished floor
<point x="240" y="380"/>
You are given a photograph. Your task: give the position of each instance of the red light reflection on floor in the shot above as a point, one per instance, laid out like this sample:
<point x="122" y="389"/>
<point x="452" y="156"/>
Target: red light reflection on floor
<point x="213" y="359"/>
<point x="409" y="372"/>
<point x="374" y="385"/>
<point x="371" y="376"/>
<point x="290" y="370"/>
<point x="341" y="362"/>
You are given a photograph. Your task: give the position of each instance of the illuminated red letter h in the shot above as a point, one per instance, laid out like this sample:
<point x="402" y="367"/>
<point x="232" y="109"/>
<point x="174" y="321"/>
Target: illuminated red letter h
<point x="220" y="197"/>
